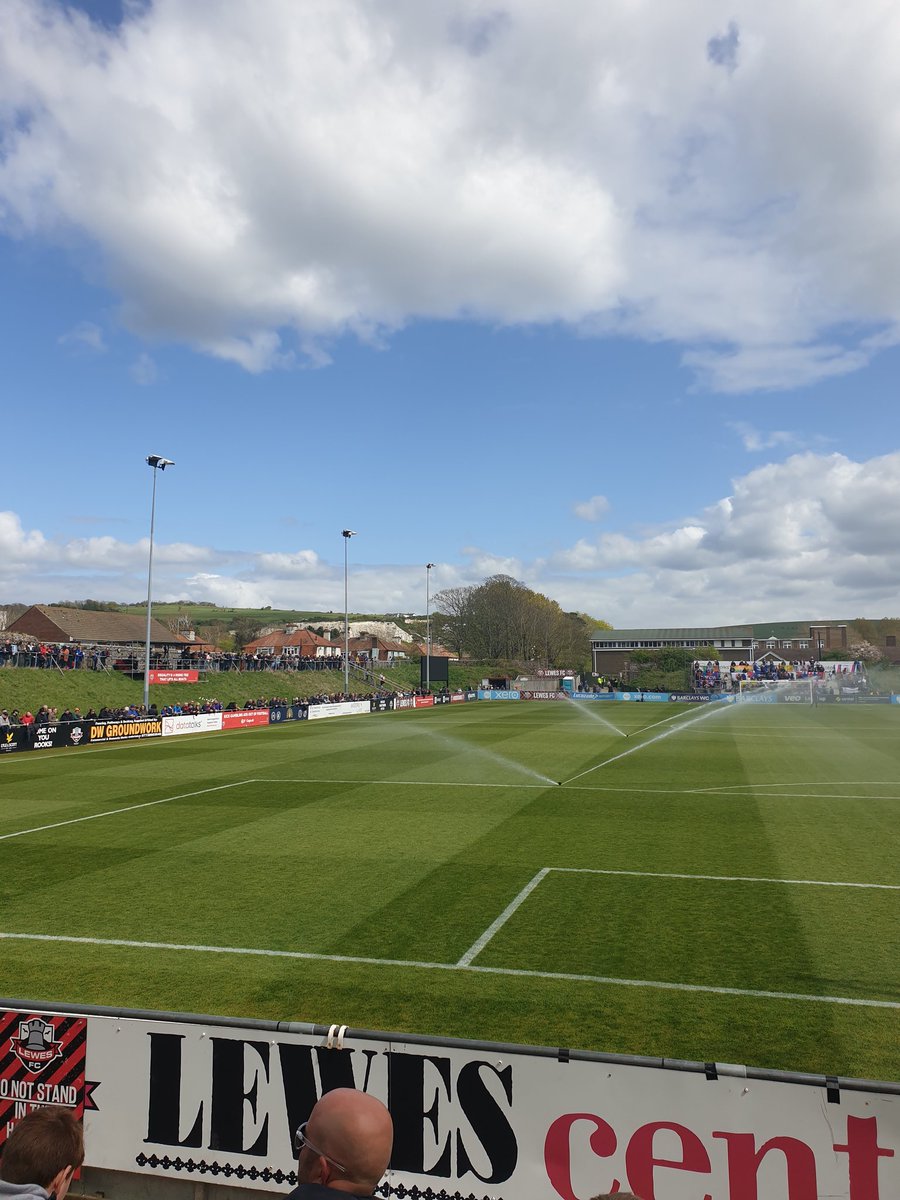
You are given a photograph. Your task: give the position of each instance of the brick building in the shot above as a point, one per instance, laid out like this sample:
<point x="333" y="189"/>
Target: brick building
<point x="790" y="640"/>
<point x="59" y="625"/>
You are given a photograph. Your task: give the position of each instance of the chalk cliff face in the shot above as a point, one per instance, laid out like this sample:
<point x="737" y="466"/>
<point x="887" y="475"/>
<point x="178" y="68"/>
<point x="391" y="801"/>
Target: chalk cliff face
<point x="388" y="630"/>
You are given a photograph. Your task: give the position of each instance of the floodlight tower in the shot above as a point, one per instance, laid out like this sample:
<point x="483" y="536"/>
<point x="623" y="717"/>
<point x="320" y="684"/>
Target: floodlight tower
<point x="428" y="567"/>
<point x="346" y="534"/>
<point x="157" y="463"/>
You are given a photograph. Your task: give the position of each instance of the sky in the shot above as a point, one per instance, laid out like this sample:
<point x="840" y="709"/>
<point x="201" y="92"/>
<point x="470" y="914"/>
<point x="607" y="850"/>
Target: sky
<point x="603" y="297"/>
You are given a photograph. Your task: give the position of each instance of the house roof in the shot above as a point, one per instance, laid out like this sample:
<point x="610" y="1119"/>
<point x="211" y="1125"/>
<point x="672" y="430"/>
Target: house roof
<point x="791" y="629"/>
<point x="279" y="639"/>
<point x="710" y="633"/>
<point x="760" y="631"/>
<point x="85" y="625"/>
<point x="371" y="642"/>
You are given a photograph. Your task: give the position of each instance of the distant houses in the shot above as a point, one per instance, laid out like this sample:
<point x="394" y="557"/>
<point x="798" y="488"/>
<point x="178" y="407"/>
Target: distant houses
<point x="300" y="643"/>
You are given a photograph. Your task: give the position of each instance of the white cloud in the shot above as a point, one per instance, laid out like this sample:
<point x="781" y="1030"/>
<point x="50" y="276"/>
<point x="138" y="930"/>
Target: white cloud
<point x="85" y="335"/>
<point x="303" y="564"/>
<point x="224" y="590"/>
<point x="258" y="180"/>
<point x="811" y="536"/>
<point x="814" y="536"/>
<point x="755" y="440"/>
<point x="144" y="370"/>
<point x="591" y="510"/>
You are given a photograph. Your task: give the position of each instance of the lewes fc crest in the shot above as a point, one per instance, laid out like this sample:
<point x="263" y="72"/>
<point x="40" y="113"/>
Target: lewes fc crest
<point x="36" y="1046"/>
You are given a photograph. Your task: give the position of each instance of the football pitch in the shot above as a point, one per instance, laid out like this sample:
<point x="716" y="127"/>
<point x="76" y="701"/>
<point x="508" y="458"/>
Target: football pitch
<point x="723" y="884"/>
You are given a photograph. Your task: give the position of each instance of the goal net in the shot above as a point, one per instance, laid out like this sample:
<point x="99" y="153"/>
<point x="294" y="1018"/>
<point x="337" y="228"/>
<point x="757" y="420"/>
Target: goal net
<point x="777" y="691"/>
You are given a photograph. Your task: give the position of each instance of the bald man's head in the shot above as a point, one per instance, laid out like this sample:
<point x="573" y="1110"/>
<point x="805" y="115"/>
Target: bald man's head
<point x="350" y="1130"/>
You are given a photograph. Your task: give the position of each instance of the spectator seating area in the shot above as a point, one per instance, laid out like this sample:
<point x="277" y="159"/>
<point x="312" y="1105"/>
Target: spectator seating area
<point x="712" y="675"/>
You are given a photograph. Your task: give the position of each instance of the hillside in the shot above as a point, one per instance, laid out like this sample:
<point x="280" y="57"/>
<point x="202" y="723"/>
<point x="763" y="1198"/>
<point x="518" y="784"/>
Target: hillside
<point x="26" y="689"/>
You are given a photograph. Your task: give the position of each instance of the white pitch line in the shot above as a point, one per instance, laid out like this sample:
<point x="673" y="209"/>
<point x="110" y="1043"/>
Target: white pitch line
<point x="478" y="945"/>
<point x="111" y="812"/>
<point x="754" y="795"/>
<point x="724" y="794"/>
<point x="754" y="993"/>
<point x="888" y="887"/>
<point x="597" y="787"/>
<point x="565" y="977"/>
<point x="773" y="737"/>
<point x="830" y="783"/>
<point x="199" y="948"/>
<point x="413" y="783"/>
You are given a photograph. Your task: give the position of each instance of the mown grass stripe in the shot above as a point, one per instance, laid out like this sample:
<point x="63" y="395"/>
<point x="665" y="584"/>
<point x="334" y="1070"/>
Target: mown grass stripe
<point x="111" y="812"/>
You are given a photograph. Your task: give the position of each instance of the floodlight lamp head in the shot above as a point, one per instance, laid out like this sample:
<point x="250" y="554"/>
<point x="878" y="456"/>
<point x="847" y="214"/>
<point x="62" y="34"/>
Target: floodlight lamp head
<point x="158" y="462"/>
<point x="348" y="533"/>
<point x="428" y="566"/>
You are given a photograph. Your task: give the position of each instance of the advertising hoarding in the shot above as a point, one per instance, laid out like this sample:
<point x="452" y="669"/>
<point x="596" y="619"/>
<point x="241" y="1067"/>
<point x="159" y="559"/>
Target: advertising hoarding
<point x="245" y="718"/>
<point x="53" y="737"/>
<point x="193" y="723"/>
<point x="344" y="708"/>
<point x="217" y="1101"/>
<point x="117" y="731"/>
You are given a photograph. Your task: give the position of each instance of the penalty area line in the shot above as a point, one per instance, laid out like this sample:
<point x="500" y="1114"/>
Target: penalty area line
<point x="513" y="972"/>
<point x="479" y="944"/>
<point x="841" y="883"/>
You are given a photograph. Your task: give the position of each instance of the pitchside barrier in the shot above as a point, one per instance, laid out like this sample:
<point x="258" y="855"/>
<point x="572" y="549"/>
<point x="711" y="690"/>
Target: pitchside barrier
<point x="72" y="734"/>
<point x="174" y="1101"/>
<point x="628" y="697"/>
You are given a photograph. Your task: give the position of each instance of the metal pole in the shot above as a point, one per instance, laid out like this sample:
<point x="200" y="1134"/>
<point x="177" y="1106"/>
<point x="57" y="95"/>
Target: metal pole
<point x="157" y="463"/>
<point x="428" y="567"/>
<point x="346" y="534"/>
<point x="149" y="594"/>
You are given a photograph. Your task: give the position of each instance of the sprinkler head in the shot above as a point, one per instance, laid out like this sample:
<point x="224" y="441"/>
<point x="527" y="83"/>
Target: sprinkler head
<point x="559" y="783"/>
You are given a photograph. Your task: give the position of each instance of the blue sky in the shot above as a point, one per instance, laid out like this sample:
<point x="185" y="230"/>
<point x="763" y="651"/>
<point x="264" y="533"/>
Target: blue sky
<point x="578" y="299"/>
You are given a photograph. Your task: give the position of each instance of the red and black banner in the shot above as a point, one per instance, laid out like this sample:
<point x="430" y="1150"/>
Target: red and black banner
<point x="242" y="718"/>
<point x="173" y="677"/>
<point x="42" y="1060"/>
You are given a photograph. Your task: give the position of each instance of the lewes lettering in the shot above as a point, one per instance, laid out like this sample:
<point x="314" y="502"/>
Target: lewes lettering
<point x="258" y="1092"/>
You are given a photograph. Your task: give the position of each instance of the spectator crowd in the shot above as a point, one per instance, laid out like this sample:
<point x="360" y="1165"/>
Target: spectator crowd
<point x="715" y="676"/>
<point x="49" y="715"/>
<point x="65" y="656"/>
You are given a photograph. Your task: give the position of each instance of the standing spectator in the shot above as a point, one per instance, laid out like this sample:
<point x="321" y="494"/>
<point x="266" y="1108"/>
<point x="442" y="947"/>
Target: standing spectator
<point x="345" y="1146"/>
<point x="41" y="1155"/>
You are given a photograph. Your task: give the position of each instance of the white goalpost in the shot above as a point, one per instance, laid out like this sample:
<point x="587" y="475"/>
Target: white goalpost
<point x="777" y="691"/>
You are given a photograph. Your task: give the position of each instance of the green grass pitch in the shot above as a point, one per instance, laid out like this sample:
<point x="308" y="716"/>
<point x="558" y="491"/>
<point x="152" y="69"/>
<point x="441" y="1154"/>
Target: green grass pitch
<point x="685" y="895"/>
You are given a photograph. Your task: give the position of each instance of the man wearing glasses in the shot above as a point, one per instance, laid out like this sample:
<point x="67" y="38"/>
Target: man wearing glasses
<point x="345" y="1146"/>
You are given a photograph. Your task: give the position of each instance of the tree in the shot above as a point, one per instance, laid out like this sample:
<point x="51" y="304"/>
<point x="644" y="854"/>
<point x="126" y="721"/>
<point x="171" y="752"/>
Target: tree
<point x="244" y="630"/>
<point x="866" y="652"/>
<point x="502" y="619"/>
<point x="450" y="617"/>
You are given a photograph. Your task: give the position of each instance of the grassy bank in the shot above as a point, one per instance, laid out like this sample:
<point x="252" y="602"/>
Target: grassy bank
<point x="26" y="688"/>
